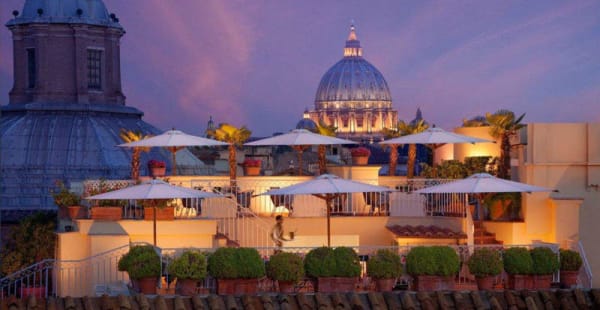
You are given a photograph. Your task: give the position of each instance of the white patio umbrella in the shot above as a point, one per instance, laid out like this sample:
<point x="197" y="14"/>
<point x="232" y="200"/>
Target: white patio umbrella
<point x="300" y="139"/>
<point x="483" y="183"/>
<point x="152" y="190"/>
<point x="327" y="187"/>
<point x="434" y="138"/>
<point x="174" y="140"/>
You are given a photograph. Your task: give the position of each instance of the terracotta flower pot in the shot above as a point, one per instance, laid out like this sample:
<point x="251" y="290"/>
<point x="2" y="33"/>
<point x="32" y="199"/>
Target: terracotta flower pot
<point x="237" y="286"/>
<point x="360" y="160"/>
<point x="251" y="171"/>
<point x="286" y="286"/>
<point x="157" y="172"/>
<point x="568" y="279"/>
<point x="106" y="213"/>
<point x="38" y="291"/>
<point x="186" y="287"/>
<point x="162" y="214"/>
<point x="384" y="285"/>
<point x="76" y="212"/>
<point x="336" y="284"/>
<point x="485" y="283"/>
<point x="542" y="281"/>
<point x="520" y="282"/>
<point x="147" y="285"/>
<point x="426" y="283"/>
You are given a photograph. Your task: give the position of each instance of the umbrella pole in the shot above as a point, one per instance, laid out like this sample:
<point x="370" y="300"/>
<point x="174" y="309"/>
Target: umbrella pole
<point x="154" y="223"/>
<point x="300" y="149"/>
<point x="174" y="161"/>
<point x="328" y="203"/>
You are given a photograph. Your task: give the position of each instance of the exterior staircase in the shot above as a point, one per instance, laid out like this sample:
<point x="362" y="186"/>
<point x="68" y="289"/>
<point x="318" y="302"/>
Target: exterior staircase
<point x="482" y="236"/>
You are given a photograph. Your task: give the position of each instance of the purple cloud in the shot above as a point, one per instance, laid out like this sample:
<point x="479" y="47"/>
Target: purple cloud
<point x="259" y="63"/>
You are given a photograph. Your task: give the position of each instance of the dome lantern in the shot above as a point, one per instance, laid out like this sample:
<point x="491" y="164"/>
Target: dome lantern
<point x="352" y="48"/>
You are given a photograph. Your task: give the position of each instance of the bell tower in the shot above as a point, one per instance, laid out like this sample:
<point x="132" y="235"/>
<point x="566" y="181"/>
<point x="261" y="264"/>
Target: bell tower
<point x="66" y="52"/>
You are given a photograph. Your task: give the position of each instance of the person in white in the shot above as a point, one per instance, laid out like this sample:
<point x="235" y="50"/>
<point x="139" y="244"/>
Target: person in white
<point x="277" y="233"/>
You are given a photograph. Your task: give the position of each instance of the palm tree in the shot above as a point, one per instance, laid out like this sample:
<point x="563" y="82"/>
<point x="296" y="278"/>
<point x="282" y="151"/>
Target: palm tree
<point x="406" y="129"/>
<point x="503" y="125"/>
<point x="326" y="130"/>
<point x="477" y="121"/>
<point x="389" y="134"/>
<point x="236" y="138"/>
<point x="129" y="136"/>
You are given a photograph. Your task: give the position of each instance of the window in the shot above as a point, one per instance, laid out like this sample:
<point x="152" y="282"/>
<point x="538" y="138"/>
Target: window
<point x="31" y="68"/>
<point x="94" y="69"/>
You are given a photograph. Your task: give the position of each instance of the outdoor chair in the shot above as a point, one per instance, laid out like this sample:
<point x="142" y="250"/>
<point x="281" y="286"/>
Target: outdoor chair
<point x="243" y="199"/>
<point x="379" y="201"/>
<point x="283" y="200"/>
<point x="339" y="204"/>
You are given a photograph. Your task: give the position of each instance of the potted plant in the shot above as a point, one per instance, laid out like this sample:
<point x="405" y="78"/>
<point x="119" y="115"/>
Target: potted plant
<point x="545" y="263"/>
<point x="360" y="155"/>
<point x="503" y="206"/>
<point x="570" y="262"/>
<point x="163" y="208"/>
<point x="485" y="264"/>
<point x="105" y="210"/>
<point x="519" y="266"/>
<point x="334" y="270"/>
<point x="237" y="270"/>
<point x="67" y="201"/>
<point x="287" y="269"/>
<point x="385" y="267"/>
<point x="251" y="166"/>
<point x="188" y="268"/>
<point x="30" y="241"/>
<point x="142" y="263"/>
<point x="157" y="168"/>
<point x="433" y="268"/>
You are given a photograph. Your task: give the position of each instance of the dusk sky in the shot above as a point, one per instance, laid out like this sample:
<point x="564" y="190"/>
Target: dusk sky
<point x="258" y="63"/>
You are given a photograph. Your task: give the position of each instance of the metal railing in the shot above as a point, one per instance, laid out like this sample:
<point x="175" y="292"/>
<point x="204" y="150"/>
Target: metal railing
<point x="238" y="212"/>
<point x="37" y="280"/>
<point x="52" y="277"/>
<point x="246" y="196"/>
<point x="585" y="277"/>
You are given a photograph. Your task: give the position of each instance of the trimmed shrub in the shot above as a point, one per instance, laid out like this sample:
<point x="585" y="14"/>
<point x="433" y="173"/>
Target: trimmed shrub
<point x="420" y="261"/>
<point x="190" y="265"/>
<point x="432" y="261"/>
<point x="319" y="262"/>
<point x="140" y="262"/>
<point x="385" y="264"/>
<point x="544" y="261"/>
<point x="236" y="263"/>
<point x="570" y="260"/>
<point x="327" y="262"/>
<point x="517" y="261"/>
<point x="485" y="262"/>
<point x="347" y="263"/>
<point x="285" y="266"/>
<point x="447" y="261"/>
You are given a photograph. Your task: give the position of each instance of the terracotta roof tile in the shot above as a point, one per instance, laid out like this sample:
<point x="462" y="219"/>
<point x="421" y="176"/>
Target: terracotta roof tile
<point x="421" y="231"/>
<point x="548" y="299"/>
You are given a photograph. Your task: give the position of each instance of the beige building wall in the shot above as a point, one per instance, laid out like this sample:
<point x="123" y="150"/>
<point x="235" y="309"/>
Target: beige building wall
<point x="564" y="156"/>
<point x="90" y="255"/>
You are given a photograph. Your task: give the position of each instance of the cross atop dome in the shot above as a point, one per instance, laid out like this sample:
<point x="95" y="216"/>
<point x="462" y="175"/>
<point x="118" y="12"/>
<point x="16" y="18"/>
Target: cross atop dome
<point x="352" y="48"/>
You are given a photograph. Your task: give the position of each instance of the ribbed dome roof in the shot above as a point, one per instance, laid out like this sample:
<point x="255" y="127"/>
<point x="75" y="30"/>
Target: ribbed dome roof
<point x="306" y="123"/>
<point x="91" y="12"/>
<point x="353" y="78"/>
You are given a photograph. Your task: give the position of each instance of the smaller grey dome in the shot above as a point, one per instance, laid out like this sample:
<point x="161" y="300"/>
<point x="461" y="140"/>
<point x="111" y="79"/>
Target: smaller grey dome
<point x="308" y="124"/>
<point x="92" y="12"/>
